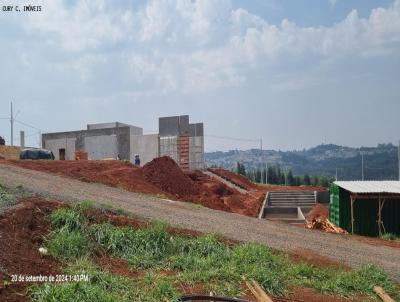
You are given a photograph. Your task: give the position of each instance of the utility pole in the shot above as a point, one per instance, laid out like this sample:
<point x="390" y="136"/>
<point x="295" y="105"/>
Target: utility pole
<point x="266" y="172"/>
<point x="398" y="156"/>
<point x="362" y="165"/>
<point x="336" y="175"/>
<point x="12" y="125"/>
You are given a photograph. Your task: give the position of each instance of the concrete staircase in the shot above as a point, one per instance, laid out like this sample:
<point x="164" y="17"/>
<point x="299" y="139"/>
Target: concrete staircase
<point x="288" y="206"/>
<point x="302" y="199"/>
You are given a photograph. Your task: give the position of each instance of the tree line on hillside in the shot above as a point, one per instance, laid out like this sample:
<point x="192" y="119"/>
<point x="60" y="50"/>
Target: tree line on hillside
<point x="275" y="175"/>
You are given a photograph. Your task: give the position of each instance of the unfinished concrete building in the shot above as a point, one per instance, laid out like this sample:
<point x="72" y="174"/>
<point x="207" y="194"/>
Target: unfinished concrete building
<point x="177" y="138"/>
<point x="182" y="141"/>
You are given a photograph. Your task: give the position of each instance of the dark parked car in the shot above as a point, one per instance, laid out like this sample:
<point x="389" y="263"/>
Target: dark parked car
<point x="36" y="154"/>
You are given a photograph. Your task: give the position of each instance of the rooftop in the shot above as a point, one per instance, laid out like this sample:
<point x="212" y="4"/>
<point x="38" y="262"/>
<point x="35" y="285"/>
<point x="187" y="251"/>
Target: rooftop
<point x="367" y="187"/>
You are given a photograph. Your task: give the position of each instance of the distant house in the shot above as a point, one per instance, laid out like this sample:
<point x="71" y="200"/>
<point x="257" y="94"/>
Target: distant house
<point x="369" y="208"/>
<point x="177" y="138"/>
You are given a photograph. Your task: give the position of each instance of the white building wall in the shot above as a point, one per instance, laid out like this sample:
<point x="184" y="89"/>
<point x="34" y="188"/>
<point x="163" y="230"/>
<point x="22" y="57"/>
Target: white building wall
<point x="55" y="145"/>
<point x="100" y="147"/>
<point x="169" y="147"/>
<point x="144" y="145"/>
<point x="196" y="153"/>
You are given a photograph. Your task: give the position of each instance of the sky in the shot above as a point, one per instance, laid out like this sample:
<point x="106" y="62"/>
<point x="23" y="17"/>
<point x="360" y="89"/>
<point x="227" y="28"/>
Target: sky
<point x="294" y="73"/>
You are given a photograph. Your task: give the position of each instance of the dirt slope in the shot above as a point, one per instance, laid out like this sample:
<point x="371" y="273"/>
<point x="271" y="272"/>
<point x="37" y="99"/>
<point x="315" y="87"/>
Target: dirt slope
<point x="161" y="177"/>
<point x="341" y="248"/>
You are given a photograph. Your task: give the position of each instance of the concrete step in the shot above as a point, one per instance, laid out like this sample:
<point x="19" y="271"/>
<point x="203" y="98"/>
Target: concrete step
<point x="292" y="198"/>
<point x="291" y="192"/>
<point x="291" y="205"/>
<point x="292" y="195"/>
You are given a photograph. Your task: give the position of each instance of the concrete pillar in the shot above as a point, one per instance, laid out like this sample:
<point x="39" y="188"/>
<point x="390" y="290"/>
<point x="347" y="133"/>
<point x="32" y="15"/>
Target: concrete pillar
<point x="22" y="139"/>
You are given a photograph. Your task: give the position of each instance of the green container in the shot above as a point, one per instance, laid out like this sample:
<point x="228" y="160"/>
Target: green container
<point x="365" y="213"/>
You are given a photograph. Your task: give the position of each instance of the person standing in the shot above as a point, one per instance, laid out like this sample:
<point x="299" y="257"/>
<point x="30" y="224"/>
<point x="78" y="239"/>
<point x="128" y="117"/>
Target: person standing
<point x="137" y="160"/>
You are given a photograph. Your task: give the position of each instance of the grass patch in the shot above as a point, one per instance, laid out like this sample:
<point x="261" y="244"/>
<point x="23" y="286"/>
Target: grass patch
<point x="205" y="259"/>
<point x="67" y="245"/>
<point x="105" y="287"/>
<point x="6" y="198"/>
<point x="69" y="240"/>
<point x="389" y="236"/>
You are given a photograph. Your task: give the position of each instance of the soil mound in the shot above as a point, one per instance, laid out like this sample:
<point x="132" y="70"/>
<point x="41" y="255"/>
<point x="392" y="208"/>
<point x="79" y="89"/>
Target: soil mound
<point x="161" y="177"/>
<point x="164" y="173"/>
<point x="319" y="210"/>
<point x="113" y="173"/>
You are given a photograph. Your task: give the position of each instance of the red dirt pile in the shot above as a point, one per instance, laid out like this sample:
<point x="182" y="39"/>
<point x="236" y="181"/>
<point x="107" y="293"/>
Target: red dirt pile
<point x="164" y="173"/>
<point x="112" y="173"/>
<point x="162" y="177"/>
<point x="318" y="219"/>
<point x="319" y="210"/>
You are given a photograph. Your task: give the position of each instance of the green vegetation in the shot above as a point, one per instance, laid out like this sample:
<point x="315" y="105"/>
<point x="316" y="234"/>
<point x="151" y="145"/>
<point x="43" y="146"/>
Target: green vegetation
<point x="276" y="176"/>
<point x="205" y="260"/>
<point x="381" y="162"/>
<point x="6" y="198"/>
<point x="389" y="236"/>
<point x="105" y="287"/>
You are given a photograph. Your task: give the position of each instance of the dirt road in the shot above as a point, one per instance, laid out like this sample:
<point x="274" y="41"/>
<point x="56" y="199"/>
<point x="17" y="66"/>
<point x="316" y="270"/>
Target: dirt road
<point x="279" y="236"/>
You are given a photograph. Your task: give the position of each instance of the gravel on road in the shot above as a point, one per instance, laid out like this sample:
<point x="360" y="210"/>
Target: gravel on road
<point x="280" y="236"/>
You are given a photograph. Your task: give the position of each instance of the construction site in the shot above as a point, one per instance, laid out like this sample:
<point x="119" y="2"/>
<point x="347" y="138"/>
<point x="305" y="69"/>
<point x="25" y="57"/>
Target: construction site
<point x="171" y="229"/>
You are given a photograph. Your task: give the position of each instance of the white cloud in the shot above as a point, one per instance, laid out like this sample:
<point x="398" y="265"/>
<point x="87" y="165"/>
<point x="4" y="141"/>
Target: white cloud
<point x="181" y="45"/>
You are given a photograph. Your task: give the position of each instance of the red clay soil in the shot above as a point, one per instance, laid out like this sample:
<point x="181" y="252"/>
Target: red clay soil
<point x="319" y="210"/>
<point x="21" y="234"/>
<point x="23" y="228"/>
<point x="314" y="259"/>
<point x="235" y="178"/>
<point x="112" y="173"/>
<point x="161" y="177"/>
<point x="165" y="174"/>
<point x="246" y="184"/>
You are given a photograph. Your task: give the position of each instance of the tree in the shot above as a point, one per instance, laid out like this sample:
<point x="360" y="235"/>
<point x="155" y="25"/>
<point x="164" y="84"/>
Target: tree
<point x="257" y="176"/>
<point x="241" y="169"/>
<point x="315" y="181"/>
<point x="272" y="175"/>
<point x="307" y="180"/>
<point x="289" y="178"/>
<point x="324" y="182"/>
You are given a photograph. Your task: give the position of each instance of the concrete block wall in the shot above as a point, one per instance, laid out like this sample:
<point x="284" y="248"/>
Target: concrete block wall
<point x="67" y="143"/>
<point x="101" y="146"/>
<point x="173" y="125"/>
<point x="91" y="141"/>
<point x="169" y="147"/>
<point x="173" y="131"/>
<point x="177" y="138"/>
<point x="147" y="146"/>
<point x="196" y="153"/>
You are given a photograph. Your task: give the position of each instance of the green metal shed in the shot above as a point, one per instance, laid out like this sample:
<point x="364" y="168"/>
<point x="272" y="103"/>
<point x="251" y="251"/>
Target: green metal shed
<point x="369" y="208"/>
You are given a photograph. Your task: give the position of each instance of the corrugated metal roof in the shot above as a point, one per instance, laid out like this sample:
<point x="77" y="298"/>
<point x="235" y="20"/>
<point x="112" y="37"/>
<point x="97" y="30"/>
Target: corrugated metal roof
<point x="392" y="187"/>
